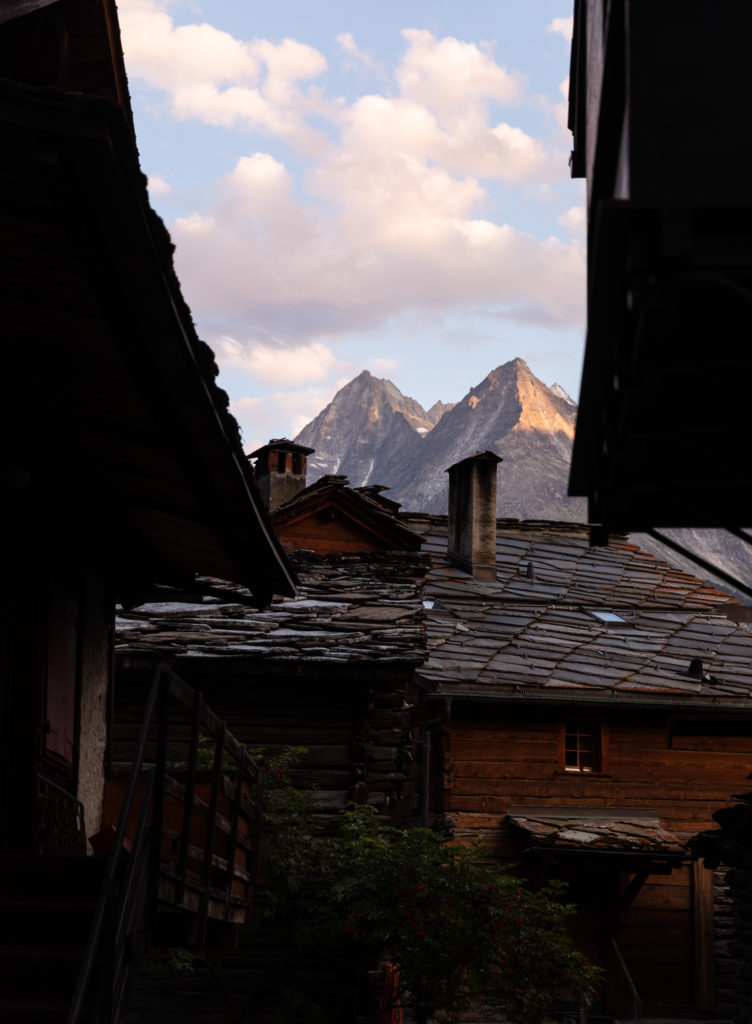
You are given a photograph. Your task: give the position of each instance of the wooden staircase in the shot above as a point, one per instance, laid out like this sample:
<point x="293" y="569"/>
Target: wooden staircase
<point x="46" y="907"/>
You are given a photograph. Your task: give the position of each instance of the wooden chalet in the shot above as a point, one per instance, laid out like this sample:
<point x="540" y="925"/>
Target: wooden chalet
<point x="330" y="670"/>
<point x="328" y="517"/>
<point x="121" y="469"/>
<point x="589" y="709"/>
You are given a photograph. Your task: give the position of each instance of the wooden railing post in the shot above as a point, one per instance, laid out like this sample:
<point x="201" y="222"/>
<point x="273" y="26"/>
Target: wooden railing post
<point x="190" y="789"/>
<point x="211" y="824"/>
<point x="234" y="822"/>
<point x="160" y="770"/>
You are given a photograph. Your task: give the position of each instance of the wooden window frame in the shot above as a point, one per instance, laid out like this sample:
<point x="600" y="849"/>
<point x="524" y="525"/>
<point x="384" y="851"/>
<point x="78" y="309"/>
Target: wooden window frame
<point x="598" y="729"/>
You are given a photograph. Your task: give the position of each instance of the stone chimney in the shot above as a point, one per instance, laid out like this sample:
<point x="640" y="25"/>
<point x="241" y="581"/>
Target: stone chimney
<point x="472" y="515"/>
<point x="280" y="470"/>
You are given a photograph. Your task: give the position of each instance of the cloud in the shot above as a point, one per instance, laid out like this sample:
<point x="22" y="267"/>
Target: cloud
<point x="562" y="27"/>
<point x="348" y="46"/>
<point x="282" y="413"/>
<point x="158" y="186"/>
<point x="219" y="80"/>
<point x="449" y="76"/>
<point x="575" y="219"/>
<point x="392" y="213"/>
<point x="174" y="57"/>
<point x="445" y="88"/>
<point x="399" y="234"/>
<point x="387" y="366"/>
<point x="278" y="364"/>
<point x="561" y="110"/>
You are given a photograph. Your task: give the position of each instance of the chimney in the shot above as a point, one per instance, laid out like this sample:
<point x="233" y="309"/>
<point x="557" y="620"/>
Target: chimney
<point x="280" y="471"/>
<point x="472" y="515"/>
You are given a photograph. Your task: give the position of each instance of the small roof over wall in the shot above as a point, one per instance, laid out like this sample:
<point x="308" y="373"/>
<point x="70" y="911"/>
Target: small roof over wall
<point x="612" y="829"/>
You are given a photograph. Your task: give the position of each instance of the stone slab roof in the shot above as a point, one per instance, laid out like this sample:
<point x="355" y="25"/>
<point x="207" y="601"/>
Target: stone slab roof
<point x="612" y="829"/>
<point x="532" y="632"/>
<point x="350" y="609"/>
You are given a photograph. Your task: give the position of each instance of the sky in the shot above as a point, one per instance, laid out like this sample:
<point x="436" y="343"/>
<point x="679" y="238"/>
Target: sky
<point x="357" y="186"/>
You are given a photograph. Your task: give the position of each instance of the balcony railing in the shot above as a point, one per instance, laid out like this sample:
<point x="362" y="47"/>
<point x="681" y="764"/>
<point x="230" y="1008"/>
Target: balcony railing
<point x="187" y="838"/>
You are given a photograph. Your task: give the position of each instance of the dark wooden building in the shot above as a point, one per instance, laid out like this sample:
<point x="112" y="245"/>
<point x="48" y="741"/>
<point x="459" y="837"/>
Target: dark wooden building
<point x="591" y="708"/>
<point x="329" y="516"/>
<point x="121" y="466"/>
<point x="657" y="97"/>
<point x="330" y="670"/>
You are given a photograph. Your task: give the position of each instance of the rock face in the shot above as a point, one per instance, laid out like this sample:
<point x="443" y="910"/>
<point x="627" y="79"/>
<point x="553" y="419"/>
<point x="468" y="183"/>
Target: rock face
<point x="374" y="434"/>
<point x="367" y="432"/>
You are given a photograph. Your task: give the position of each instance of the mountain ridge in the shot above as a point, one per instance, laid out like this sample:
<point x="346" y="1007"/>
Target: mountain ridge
<point x="373" y="433"/>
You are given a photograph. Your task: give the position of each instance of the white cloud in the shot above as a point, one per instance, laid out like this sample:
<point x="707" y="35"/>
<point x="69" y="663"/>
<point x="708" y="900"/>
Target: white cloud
<point x="449" y="76"/>
<point x="392" y="214"/>
<point x="575" y="219"/>
<point x="158" y="186"/>
<point x="562" y="27"/>
<point x="170" y="56"/>
<point x="399" y="235"/>
<point x="348" y="46"/>
<point x="282" y="413"/>
<point x="278" y="364"/>
<point x="385" y="366"/>
<point x="220" y="80"/>
<point x="561" y="110"/>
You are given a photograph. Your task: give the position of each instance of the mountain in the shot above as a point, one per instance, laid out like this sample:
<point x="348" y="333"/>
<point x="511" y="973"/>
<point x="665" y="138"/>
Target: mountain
<point x="366" y="432"/>
<point x="373" y="434"/>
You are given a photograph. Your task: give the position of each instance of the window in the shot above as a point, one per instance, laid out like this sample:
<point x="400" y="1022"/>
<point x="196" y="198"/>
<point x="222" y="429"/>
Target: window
<point x="609" y="618"/>
<point x="582" y="745"/>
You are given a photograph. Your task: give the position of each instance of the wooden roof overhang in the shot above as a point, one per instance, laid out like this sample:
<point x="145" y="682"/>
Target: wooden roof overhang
<point x="592" y="697"/>
<point x="662" y="418"/>
<point x="663" y="415"/>
<point x="109" y="395"/>
<point x="616" y="839"/>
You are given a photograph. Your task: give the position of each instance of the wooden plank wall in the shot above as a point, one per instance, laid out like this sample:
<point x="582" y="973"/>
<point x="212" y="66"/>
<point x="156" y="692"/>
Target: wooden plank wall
<point x="493" y="758"/>
<point x="358" y="734"/>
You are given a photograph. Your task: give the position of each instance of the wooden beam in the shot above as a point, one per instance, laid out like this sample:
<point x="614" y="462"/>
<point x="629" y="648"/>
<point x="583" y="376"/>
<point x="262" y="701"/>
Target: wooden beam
<point x="627" y="898"/>
<point x="702" y="905"/>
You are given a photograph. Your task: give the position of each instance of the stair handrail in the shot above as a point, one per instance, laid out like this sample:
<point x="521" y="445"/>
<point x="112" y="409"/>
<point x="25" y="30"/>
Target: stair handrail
<point x="130" y="893"/>
<point x="139" y="861"/>
<point x="637" y="1002"/>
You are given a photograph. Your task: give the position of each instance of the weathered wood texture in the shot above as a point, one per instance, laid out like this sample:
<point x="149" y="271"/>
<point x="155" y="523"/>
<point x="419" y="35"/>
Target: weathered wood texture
<point x="496" y="758"/>
<point x="359" y="740"/>
<point x="510" y="758"/>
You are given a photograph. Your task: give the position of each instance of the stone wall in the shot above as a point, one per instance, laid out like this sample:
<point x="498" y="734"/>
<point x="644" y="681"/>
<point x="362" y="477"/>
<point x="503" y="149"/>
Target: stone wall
<point x="732" y="898"/>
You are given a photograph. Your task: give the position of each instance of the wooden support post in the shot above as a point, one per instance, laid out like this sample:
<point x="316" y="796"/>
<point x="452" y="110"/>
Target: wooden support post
<point x="627" y="898"/>
<point x="702" y="905"/>
<point x="160" y="768"/>
<point x="190" y="788"/>
<point x="211" y="824"/>
<point x="234" y="822"/>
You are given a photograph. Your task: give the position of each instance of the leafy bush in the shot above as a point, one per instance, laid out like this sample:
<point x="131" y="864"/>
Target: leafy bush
<point x="462" y="928"/>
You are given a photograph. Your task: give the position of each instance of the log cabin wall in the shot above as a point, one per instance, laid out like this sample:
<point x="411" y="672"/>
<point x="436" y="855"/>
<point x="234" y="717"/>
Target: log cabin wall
<point x="494" y="758"/>
<point x="328" y="670"/>
<point x="509" y="756"/>
<point x="359" y="740"/>
<point x="563" y="638"/>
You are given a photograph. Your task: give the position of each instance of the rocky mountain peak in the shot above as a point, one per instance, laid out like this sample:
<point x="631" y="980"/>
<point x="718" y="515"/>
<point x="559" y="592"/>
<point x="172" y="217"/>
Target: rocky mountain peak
<point x="375" y="434"/>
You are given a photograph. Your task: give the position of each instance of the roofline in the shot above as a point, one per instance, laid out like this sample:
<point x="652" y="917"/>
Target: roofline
<point x="611" y="854"/>
<point x="533" y="694"/>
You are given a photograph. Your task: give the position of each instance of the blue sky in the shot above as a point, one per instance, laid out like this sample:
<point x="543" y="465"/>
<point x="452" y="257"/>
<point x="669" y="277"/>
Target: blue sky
<point x="352" y="191"/>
